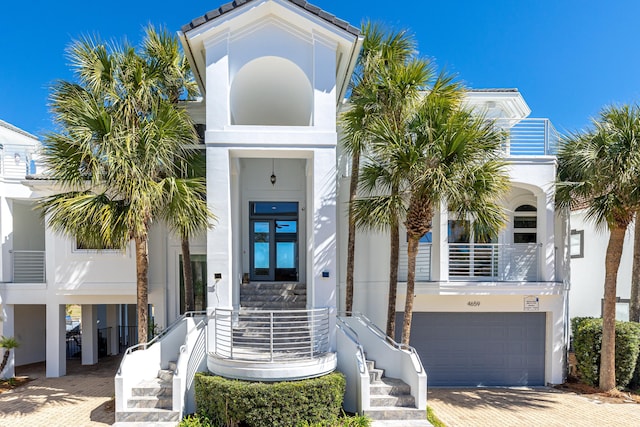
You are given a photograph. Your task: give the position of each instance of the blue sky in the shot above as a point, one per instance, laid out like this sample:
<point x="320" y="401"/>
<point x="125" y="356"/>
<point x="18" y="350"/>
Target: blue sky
<point x="567" y="57"/>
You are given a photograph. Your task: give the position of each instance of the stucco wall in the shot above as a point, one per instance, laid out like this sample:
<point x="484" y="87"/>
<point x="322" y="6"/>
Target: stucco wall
<point x="30" y="331"/>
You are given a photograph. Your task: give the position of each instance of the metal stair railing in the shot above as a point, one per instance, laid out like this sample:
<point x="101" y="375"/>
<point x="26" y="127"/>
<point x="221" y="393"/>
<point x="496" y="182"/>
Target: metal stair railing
<point x="270" y="335"/>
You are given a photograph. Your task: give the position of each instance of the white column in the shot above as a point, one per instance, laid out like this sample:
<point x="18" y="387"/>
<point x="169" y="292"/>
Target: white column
<point x="219" y="239"/>
<point x="322" y="212"/>
<point x="6" y="234"/>
<point x="217" y="76"/>
<point x="440" y="245"/>
<point x="321" y="233"/>
<point x="112" y="324"/>
<point x="89" y="334"/>
<point x="56" y="340"/>
<point x="546" y="215"/>
<point x="324" y="84"/>
<point x="8" y="321"/>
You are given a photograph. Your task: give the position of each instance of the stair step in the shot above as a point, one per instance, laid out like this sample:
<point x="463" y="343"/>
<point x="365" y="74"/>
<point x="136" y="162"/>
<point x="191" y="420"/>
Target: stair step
<point x="375" y="375"/>
<point x="404" y="401"/>
<point x="147" y="415"/>
<point x="396" y="413"/>
<point x="145" y="402"/>
<point x="370" y="364"/>
<point x="390" y="387"/>
<point x="165" y="375"/>
<point x="274" y="305"/>
<point x="154" y="387"/>
<point x="154" y="424"/>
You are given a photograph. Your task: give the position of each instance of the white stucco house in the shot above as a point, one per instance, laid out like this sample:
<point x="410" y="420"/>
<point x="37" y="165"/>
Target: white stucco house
<point x="588" y="247"/>
<point x="270" y="275"/>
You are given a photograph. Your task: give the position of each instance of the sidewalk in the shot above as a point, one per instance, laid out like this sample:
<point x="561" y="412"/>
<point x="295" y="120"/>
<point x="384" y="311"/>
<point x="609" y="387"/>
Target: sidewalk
<point x="81" y="398"/>
<point x="527" y="407"/>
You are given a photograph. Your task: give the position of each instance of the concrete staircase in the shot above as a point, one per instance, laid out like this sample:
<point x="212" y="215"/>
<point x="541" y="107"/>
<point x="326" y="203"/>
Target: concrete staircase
<point x="391" y="399"/>
<point x="151" y="402"/>
<point x="273" y="296"/>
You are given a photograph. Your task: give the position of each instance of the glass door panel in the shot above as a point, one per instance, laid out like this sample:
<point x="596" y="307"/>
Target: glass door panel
<point x="274" y="241"/>
<point x="261" y="251"/>
<point x="199" y="270"/>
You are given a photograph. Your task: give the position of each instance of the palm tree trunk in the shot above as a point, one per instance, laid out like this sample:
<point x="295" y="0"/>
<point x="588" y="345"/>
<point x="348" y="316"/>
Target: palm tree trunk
<point x="412" y="253"/>
<point x="351" y="243"/>
<point x="608" y="352"/>
<point x="634" y="306"/>
<point x="142" y="288"/>
<point x="187" y="275"/>
<point x="393" y="279"/>
<point x="5" y="360"/>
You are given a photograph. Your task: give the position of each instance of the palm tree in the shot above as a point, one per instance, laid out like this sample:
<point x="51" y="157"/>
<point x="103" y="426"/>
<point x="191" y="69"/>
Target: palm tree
<point x="187" y="214"/>
<point x="370" y="96"/>
<point x="8" y="343"/>
<point x="601" y="166"/>
<point x="440" y="153"/>
<point x="162" y="51"/>
<point x="115" y="152"/>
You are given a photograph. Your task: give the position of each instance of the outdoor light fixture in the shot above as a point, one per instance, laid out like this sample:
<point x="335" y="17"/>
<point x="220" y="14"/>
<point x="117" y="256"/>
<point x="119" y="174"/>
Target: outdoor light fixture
<point x="273" y="175"/>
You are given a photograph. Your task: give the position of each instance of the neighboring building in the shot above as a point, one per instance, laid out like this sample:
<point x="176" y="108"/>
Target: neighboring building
<point x="274" y="74"/>
<point x="588" y="249"/>
<point x="23" y="245"/>
<point x="487" y="313"/>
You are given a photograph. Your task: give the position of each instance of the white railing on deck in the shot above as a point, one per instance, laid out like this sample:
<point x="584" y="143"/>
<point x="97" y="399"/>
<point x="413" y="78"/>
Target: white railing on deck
<point x="494" y="261"/>
<point x="271" y="336"/>
<point x="530" y="137"/>
<point x="423" y="263"/>
<point x="29" y="267"/>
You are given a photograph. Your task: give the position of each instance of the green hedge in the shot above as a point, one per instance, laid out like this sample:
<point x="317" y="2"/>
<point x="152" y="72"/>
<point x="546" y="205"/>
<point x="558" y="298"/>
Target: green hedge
<point x="254" y="404"/>
<point x="587" y="342"/>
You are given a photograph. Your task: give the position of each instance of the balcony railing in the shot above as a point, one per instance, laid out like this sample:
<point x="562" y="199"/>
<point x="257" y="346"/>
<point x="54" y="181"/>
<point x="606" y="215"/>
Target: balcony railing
<point x="494" y="261"/>
<point x="479" y="262"/>
<point x="423" y="263"/>
<point x="29" y="267"/>
<point x="530" y="137"/>
<point x="270" y="336"/>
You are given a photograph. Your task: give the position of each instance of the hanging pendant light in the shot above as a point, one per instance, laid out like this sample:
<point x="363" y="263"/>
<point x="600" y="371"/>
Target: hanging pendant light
<point x="273" y="175"/>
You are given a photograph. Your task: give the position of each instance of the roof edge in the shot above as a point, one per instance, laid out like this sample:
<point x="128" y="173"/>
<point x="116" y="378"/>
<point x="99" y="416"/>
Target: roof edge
<point x="18" y="130"/>
<point x="306" y="6"/>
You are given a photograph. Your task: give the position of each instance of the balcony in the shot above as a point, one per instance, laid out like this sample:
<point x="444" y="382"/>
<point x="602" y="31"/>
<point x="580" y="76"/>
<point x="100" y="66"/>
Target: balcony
<point x="479" y="262"/>
<point x="512" y="262"/>
<point x="530" y="137"/>
<point x="270" y="345"/>
<point x="28" y="266"/>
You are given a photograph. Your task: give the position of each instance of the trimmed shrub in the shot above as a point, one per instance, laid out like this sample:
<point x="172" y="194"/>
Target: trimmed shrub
<point x="255" y="404"/>
<point x="587" y="343"/>
<point x="195" y="421"/>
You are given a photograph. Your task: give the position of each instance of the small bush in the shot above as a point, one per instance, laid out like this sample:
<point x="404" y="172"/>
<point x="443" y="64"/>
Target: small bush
<point x="344" y="421"/>
<point x="196" y="421"/>
<point x="587" y="343"/>
<point x="254" y="404"/>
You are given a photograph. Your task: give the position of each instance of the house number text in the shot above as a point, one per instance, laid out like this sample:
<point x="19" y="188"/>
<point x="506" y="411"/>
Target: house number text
<point x="473" y="303"/>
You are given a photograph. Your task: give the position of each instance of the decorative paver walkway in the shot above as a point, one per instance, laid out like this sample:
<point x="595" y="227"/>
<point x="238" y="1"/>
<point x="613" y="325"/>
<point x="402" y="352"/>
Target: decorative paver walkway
<point x="81" y="398"/>
<point x="527" y="407"/>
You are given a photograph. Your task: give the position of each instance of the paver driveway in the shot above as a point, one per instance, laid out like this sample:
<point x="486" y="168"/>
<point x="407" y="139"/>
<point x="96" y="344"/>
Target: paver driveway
<point x="81" y="397"/>
<point x="510" y="407"/>
<point x="77" y="399"/>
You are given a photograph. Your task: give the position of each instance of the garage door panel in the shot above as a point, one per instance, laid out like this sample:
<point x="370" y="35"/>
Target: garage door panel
<point x="473" y="349"/>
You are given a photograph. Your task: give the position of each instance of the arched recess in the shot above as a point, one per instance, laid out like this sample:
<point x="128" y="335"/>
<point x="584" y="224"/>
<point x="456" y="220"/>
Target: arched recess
<point x="523" y="214"/>
<point x="271" y="91"/>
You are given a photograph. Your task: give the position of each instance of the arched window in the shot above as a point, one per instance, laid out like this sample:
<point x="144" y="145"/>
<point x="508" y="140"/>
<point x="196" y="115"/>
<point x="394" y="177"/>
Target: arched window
<point x="525" y="224"/>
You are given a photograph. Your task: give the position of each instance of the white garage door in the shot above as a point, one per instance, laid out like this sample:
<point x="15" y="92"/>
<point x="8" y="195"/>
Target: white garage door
<point x="480" y="349"/>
